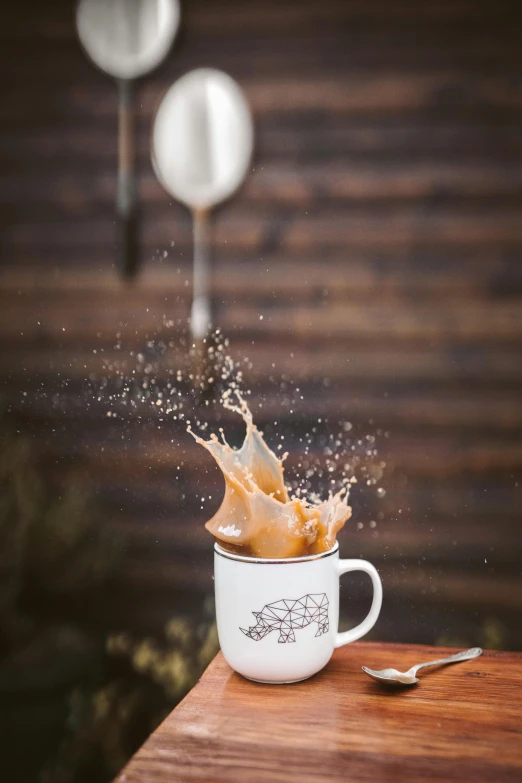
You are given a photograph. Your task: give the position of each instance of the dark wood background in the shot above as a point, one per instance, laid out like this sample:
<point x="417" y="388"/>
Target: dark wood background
<point x="380" y="235"/>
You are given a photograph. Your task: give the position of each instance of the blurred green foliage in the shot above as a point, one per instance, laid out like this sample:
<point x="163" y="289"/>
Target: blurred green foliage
<point x="106" y="725"/>
<point x="75" y="703"/>
<point x="49" y="542"/>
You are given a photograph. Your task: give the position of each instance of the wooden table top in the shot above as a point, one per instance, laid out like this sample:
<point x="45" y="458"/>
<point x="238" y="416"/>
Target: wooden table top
<point x="461" y="723"/>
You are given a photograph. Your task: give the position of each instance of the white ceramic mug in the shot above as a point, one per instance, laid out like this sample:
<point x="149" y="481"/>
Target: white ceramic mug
<point x="277" y="620"/>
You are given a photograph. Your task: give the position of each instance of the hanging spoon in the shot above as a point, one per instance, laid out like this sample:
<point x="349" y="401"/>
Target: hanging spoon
<point x="202" y="144"/>
<point x="126" y="39"/>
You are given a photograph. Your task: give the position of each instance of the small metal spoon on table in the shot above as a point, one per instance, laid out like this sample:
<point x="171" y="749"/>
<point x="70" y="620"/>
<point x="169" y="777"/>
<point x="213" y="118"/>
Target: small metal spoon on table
<point x="396" y="678"/>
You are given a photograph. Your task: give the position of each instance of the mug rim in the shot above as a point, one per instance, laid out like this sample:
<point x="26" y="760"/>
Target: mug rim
<point x="274" y="560"/>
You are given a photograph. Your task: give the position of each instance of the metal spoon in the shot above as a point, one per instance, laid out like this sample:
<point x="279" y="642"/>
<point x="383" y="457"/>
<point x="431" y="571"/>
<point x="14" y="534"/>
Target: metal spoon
<point x="127" y="39"/>
<point x="396" y="678"/>
<point x="202" y="143"/>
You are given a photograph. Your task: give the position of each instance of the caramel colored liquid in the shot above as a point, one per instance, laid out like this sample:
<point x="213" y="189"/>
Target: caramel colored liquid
<point x="257" y="517"/>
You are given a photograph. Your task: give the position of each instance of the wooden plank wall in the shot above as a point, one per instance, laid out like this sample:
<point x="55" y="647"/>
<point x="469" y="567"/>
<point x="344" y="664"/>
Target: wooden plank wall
<point x="380" y="236"/>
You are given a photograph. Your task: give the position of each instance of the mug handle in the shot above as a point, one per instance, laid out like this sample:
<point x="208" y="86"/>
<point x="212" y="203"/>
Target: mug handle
<point x="343" y="566"/>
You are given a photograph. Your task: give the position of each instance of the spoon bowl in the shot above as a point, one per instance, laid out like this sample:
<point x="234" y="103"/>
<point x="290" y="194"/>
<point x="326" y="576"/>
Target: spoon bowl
<point x="391" y="677"/>
<point x="127" y="39"/>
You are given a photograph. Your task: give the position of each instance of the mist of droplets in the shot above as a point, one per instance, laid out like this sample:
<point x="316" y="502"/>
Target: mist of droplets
<point x="170" y="381"/>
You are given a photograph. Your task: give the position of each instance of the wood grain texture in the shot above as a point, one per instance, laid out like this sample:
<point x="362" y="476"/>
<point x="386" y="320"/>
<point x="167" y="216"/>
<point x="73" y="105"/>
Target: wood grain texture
<point x="461" y="723"/>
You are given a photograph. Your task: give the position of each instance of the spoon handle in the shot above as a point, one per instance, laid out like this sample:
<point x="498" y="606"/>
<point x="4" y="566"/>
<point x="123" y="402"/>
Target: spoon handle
<point x="466" y="655"/>
<point x="200" y="316"/>
<point x="126" y="191"/>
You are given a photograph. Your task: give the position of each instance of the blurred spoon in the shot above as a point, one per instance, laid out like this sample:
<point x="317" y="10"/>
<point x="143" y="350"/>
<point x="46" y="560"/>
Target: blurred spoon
<point x="127" y="39"/>
<point x="396" y="678"/>
<point x="202" y="144"/>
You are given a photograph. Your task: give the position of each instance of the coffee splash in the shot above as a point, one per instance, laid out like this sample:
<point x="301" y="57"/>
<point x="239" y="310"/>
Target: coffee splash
<point x="257" y="517"/>
<point x="158" y="384"/>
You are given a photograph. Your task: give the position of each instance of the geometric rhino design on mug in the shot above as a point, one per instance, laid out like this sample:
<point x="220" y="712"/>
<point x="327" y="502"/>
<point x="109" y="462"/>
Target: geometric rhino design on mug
<point x="288" y="614"/>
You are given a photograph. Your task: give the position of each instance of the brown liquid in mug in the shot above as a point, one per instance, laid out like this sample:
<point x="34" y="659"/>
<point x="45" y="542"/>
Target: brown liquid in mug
<point x="257" y="517"/>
